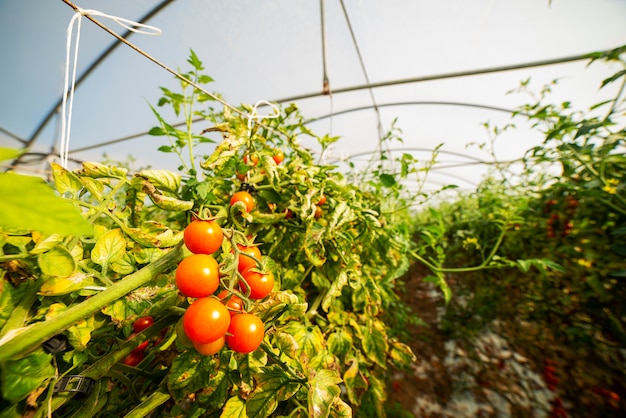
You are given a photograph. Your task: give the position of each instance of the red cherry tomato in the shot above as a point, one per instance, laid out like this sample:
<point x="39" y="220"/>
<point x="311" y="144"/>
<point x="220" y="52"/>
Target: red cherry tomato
<point x="261" y="284"/>
<point x="203" y="237"/>
<point x="245" y="260"/>
<point x="142" y="323"/>
<point x="322" y="200"/>
<point x="245" y="333"/>
<point x="141" y="347"/>
<point x="133" y="359"/>
<point x="250" y="158"/>
<point x="234" y="303"/>
<point x="245" y="197"/>
<point x="206" y="320"/>
<point x="198" y="276"/>
<point x="278" y="156"/>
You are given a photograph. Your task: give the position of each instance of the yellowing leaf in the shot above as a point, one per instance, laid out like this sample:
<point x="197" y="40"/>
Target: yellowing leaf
<point x="234" y="408"/>
<point x="58" y="262"/>
<point x="109" y="247"/>
<point x="323" y="389"/>
<point x="55" y="286"/>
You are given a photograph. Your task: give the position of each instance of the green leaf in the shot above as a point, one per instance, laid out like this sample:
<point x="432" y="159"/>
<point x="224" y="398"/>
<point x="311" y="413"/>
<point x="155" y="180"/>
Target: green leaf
<point x="401" y="354"/>
<point x="273" y="387"/>
<point x="195" y="61"/>
<point x="22" y="376"/>
<point x="323" y="389"/>
<point x="98" y="170"/>
<point x="9" y="153"/>
<point x="234" y="408"/>
<point x="309" y="338"/>
<point x="356" y="385"/>
<point x="110" y="246"/>
<point x="340" y="343"/>
<point x="56" y="286"/>
<point x="65" y="181"/>
<point x="58" y="262"/>
<point x="28" y="203"/>
<point x="335" y="289"/>
<point x="375" y="344"/>
<point x="190" y="371"/>
<point x="162" y="179"/>
<point x="387" y="180"/>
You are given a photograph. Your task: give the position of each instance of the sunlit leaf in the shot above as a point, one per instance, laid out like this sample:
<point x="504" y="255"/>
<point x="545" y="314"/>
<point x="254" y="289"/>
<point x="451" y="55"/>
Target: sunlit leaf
<point x="65" y="181"/>
<point x="22" y="376"/>
<point x="234" y="408"/>
<point x="110" y="246"/>
<point x="323" y="389"/>
<point x="273" y="387"/>
<point x="57" y="262"/>
<point x="28" y="203"/>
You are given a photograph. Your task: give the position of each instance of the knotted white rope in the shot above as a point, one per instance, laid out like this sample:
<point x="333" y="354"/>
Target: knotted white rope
<point x="254" y="115"/>
<point x="68" y="89"/>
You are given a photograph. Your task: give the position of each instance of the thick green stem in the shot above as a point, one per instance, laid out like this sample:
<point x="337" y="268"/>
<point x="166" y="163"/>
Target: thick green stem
<point x="142" y="410"/>
<point x="34" y="335"/>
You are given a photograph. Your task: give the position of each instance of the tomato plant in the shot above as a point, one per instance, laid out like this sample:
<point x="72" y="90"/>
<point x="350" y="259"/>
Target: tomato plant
<point x="206" y="320"/>
<point x="198" y="276"/>
<point x="245" y="333"/>
<point x="259" y="283"/>
<point x="203" y="237"/>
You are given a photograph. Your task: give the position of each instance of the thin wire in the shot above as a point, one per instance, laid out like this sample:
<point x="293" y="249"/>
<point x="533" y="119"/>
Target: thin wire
<point x="442" y="76"/>
<point x="326" y="116"/>
<point x="367" y="79"/>
<point x="326" y="90"/>
<point x="12" y="135"/>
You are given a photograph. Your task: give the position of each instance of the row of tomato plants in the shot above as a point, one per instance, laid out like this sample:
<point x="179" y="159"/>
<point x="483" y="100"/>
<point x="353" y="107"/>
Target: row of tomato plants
<point x="263" y="276"/>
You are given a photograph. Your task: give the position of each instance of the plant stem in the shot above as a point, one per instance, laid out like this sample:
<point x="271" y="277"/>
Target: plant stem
<point x="141" y="410"/>
<point x="34" y="335"/>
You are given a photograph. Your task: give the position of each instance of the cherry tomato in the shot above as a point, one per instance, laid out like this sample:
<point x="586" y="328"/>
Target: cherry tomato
<point x="261" y="284"/>
<point x="141" y="347"/>
<point x="245" y="260"/>
<point x="318" y="212"/>
<point x="142" y="323"/>
<point x="322" y="200"/>
<point x="206" y="320"/>
<point x="250" y="158"/>
<point x="203" y="237"/>
<point x="245" y="333"/>
<point x="197" y="276"/>
<point x="211" y="348"/>
<point x="133" y="359"/>
<point x="278" y="156"/>
<point x="245" y="197"/>
<point x="234" y="303"/>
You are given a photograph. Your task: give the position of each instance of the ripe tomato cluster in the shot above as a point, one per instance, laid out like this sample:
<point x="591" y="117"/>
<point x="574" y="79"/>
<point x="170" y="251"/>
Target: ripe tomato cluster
<point x="214" y="320"/>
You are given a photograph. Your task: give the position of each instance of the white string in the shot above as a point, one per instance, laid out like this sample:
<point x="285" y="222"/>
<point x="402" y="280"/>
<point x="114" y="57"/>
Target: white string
<point x="68" y="90"/>
<point x="253" y="115"/>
